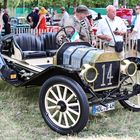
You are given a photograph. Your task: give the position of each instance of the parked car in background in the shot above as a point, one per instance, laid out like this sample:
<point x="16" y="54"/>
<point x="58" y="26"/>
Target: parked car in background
<point x="125" y="13"/>
<point x="17" y="24"/>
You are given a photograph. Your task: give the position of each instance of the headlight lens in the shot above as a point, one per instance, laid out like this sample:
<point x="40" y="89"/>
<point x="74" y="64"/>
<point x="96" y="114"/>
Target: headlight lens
<point x="132" y="68"/>
<point x="89" y="73"/>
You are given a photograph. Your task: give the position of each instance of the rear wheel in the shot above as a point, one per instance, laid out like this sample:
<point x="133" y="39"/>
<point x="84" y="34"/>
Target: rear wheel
<point x="63" y="105"/>
<point x="132" y="103"/>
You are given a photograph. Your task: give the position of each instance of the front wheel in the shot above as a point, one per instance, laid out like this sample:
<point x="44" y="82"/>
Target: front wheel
<point x="63" y="105"/>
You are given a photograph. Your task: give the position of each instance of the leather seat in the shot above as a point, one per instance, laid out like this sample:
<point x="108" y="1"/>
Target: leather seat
<point x="33" y="54"/>
<point x="48" y="43"/>
<point x="29" y="45"/>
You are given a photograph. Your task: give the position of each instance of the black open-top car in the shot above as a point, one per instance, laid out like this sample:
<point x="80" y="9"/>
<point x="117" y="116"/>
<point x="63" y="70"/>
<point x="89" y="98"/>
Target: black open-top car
<point x="75" y="77"/>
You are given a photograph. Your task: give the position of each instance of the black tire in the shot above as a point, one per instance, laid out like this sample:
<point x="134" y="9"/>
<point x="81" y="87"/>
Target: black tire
<point x="133" y="103"/>
<point x="70" y="88"/>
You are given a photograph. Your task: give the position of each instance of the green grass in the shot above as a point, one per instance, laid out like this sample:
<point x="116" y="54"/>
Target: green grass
<point x="20" y="119"/>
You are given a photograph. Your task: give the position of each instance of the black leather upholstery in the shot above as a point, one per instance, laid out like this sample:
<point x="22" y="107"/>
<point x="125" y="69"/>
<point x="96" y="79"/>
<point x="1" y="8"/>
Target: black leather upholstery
<point x="48" y="43"/>
<point x="29" y="45"/>
<point x="33" y="54"/>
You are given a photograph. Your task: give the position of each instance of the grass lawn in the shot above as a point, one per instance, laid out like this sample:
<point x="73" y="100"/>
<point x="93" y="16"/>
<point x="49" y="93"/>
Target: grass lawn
<point x="20" y="119"/>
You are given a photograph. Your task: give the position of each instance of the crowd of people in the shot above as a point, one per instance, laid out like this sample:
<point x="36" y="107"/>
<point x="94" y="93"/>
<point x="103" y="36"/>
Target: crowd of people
<point x="110" y="29"/>
<point x="37" y="18"/>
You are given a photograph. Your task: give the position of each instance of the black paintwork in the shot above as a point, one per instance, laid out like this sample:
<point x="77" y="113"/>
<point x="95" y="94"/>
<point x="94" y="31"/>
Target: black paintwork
<point x="115" y="75"/>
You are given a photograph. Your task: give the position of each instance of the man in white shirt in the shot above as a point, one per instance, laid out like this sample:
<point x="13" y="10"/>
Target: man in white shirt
<point x="136" y="30"/>
<point x="65" y="16"/>
<point x="111" y="30"/>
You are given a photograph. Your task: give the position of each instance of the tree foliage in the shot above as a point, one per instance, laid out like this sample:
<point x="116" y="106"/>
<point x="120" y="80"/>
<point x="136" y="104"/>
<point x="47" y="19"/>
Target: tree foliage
<point x="66" y="3"/>
<point x="13" y="3"/>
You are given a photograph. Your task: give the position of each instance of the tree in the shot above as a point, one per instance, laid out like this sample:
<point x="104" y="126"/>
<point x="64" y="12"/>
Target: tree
<point x="67" y="3"/>
<point x="124" y="3"/>
<point x="5" y="4"/>
<point x="13" y="3"/>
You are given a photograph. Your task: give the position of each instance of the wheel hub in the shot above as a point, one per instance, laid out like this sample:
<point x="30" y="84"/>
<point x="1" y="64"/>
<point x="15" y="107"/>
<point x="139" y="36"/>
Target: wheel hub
<point x="62" y="105"/>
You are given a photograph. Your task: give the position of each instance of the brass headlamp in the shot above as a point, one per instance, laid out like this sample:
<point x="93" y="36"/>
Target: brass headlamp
<point x="89" y="73"/>
<point x="129" y="68"/>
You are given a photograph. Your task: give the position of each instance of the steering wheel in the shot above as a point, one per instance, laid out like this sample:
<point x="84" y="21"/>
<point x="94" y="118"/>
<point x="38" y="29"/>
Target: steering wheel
<point x="64" y="35"/>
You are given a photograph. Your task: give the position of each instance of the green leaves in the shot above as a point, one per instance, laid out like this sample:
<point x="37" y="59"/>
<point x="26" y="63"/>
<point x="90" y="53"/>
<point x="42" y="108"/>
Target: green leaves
<point x="13" y="3"/>
<point x="65" y="3"/>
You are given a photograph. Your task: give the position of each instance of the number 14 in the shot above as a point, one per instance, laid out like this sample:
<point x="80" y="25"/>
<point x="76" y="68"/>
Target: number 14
<point x="107" y="78"/>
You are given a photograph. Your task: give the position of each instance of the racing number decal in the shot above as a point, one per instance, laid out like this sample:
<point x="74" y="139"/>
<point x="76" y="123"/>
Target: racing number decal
<point x="107" y="75"/>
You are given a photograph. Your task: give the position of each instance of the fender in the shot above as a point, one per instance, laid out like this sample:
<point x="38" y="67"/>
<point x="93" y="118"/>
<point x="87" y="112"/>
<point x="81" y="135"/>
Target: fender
<point x="52" y="70"/>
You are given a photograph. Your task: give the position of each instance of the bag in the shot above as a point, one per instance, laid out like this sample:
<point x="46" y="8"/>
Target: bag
<point x="119" y="46"/>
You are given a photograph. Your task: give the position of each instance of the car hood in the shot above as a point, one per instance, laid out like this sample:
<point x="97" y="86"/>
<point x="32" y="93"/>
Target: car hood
<point x="76" y="56"/>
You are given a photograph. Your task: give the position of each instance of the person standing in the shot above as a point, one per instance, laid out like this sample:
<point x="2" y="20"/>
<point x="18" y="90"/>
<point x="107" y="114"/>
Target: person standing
<point x="111" y="30"/>
<point x="33" y="17"/>
<point x="1" y="21"/>
<point x="136" y="30"/>
<point x="30" y="17"/>
<point x="81" y="24"/>
<point x="6" y="20"/>
<point x="41" y="25"/>
<point x="52" y="18"/>
<point x="65" y="16"/>
<point x="98" y="17"/>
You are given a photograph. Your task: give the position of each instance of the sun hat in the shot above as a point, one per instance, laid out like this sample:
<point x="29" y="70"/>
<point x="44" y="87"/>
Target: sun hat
<point x="43" y="11"/>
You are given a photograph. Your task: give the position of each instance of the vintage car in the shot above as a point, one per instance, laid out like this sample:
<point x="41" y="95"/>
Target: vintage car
<point x="17" y="24"/>
<point x="76" y="79"/>
<point x="125" y="13"/>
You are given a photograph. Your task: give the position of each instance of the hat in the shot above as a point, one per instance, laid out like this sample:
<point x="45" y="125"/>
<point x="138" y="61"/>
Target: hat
<point x="62" y="8"/>
<point x="82" y="9"/>
<point x="43" y="11"/>
<point x="36" y="8"/>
